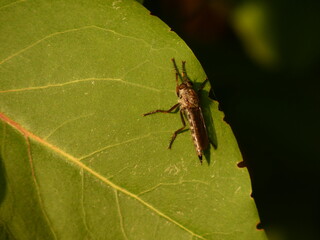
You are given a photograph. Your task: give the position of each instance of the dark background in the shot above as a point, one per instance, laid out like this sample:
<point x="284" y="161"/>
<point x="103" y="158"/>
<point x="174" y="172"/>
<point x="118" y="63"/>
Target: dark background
<point x="262" y="58"/>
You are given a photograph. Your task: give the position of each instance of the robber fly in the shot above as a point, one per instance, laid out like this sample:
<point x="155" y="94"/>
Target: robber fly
<point x="189" y="106"/>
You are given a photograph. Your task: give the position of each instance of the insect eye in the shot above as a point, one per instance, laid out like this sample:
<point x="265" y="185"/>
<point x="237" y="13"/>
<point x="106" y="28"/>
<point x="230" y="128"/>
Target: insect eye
<point x="182" y="86"/>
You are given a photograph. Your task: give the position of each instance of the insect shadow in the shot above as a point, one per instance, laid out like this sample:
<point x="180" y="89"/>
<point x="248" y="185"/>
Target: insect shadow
<point x="209" y="121"/>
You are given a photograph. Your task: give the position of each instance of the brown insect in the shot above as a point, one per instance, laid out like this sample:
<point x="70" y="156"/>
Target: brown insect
<point x="189" y="106"/>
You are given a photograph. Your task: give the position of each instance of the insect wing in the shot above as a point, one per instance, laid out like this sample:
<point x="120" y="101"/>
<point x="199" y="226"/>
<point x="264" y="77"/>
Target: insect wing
<point x="198" y="127"/>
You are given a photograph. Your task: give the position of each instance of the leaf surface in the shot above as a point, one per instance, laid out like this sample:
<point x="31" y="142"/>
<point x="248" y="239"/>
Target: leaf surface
<point x="78" y="159"/>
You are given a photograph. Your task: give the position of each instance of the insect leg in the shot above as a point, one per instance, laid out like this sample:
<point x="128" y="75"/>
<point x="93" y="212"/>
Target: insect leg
<point x="163" y="111"/>
<point x="177" y="80"/>
<point x="176" y="68"/>
<point x="184" y="72"/>
<point x="178" y="131"/>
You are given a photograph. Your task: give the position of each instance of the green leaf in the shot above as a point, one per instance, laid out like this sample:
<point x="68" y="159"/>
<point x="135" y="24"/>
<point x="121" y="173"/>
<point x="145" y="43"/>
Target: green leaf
<point x="78" y="159"/>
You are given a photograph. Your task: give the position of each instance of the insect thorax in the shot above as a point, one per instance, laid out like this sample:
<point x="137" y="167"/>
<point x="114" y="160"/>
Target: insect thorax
<point x="188" y="97"/>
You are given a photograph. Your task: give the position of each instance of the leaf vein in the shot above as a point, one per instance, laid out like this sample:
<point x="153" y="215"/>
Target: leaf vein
<point x="41" y="40"/>
<point x="78" y="81"/>
<point x="37" y="186"/>
<point x="170" y="184"/>
<point x="125" y="36"/>
<point x="68" y="31"/>
<point x="114" y="145"/>
<point x="82" y="204"/>
<point x="65" y="123"/>
<point x="12" y="3"/>
<point x="120" y="214"/>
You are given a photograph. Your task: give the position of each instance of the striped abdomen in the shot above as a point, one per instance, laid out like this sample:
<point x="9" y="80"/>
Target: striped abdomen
<point x="198" y="129"/>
